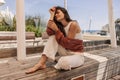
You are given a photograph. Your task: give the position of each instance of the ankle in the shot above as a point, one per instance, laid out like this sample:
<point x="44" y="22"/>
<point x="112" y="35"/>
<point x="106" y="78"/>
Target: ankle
<point x="44" y="56"/>
<point x="43" y="59"/>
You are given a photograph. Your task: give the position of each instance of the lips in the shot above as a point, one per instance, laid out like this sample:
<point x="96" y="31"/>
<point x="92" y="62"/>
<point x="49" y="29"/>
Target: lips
<point x="57" y="16"/>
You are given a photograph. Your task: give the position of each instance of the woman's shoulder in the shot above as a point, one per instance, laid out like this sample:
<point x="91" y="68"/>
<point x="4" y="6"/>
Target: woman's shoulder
<point x="75" y="26"/>
<point x="74" y="23"/>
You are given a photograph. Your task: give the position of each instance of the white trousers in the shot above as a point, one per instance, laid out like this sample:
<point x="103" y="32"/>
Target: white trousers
<point x="68" y="60"/>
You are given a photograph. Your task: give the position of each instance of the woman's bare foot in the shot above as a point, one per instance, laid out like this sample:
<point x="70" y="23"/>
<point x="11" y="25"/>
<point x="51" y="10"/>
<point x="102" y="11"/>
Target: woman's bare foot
<point x="40" y="65"/>
<point x="35" y="68"/>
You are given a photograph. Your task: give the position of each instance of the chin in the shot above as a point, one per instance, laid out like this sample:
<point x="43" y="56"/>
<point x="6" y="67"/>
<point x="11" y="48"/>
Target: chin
<point x="58" y="20"/>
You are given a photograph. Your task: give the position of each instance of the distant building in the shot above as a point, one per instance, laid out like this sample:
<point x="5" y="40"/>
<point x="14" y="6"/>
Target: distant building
<point x="106" y="28"/>
<point x="117" y="28"/>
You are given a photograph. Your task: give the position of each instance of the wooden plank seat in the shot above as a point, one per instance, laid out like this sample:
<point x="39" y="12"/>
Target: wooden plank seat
<point x="99" y="65"/>
<point x="10" y="37"/>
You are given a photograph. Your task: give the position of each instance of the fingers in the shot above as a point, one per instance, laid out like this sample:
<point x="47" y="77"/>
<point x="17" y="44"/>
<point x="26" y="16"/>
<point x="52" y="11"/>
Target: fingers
<point x="52" y="12"/>
<point x="52" y="9"/>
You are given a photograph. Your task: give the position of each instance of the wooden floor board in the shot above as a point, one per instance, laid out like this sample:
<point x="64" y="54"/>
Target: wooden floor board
<point x="11" y="69"/>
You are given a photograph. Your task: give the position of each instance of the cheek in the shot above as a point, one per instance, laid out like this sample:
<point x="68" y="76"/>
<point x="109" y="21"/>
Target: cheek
<point x="62" y="16"/>
<point x="57" y="15"/>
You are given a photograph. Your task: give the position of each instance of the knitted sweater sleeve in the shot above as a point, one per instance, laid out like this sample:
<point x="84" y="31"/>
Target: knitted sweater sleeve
<point x="69" y="43"/>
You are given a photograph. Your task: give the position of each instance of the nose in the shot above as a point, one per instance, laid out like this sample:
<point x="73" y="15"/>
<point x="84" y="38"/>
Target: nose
<point x="55" y="15"/>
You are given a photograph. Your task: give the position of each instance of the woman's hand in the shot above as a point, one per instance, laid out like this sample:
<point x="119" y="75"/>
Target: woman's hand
<point x="51" y="23"/>
<point x="52" y="13"/>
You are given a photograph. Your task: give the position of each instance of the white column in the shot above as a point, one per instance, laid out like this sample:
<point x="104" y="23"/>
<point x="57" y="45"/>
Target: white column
<point x="20" y="18"/>
<point x="111" y="24"/>
<point x="65" y="4"/>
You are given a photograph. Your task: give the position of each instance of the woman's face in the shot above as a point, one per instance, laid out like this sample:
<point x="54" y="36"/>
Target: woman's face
<point x="59" y="15"/>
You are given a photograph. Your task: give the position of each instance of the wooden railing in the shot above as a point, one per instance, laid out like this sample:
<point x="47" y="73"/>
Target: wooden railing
<point x="11" y="37"/>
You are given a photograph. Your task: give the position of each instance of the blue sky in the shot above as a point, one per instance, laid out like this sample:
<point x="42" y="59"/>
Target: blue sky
<point x="80" y="10"/>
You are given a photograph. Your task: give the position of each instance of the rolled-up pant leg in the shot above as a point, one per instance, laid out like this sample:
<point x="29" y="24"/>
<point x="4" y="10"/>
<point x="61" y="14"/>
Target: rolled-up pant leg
<point x="69" y="59"/>
<point x="51" y="48"/>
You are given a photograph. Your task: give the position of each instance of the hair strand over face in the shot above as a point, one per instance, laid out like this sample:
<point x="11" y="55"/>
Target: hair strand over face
<point x="66" y="16"/>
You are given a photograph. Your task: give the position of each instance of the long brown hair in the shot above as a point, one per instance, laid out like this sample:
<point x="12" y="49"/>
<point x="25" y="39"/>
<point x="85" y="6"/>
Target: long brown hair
<point x="66" y="16"/>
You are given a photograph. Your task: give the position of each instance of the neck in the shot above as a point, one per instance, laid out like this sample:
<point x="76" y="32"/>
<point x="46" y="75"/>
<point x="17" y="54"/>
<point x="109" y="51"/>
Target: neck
<point x="64" y="22"/>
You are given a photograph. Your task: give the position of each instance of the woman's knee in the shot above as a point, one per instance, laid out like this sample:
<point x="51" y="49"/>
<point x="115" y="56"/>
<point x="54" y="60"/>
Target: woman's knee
<point x="63" y="64"/>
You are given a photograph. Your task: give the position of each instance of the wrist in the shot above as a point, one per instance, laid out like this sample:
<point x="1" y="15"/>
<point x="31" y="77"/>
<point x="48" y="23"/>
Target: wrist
<point x="52" y="17"/>
<point x="56" y="29"/>
<point x="51" y="20"/>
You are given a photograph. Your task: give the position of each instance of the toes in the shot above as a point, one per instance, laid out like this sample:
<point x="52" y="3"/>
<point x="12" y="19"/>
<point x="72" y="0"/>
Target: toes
<point x="34" y="69"/>
<point x="31" y="70"/>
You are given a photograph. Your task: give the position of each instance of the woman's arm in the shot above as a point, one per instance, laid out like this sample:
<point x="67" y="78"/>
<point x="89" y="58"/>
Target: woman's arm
<point x="70" y="42"/>
<point x="74" y="28"/>
<point x="67" y="42"/>
<point x="51" y="28"/>
<point x="50" y="31"/>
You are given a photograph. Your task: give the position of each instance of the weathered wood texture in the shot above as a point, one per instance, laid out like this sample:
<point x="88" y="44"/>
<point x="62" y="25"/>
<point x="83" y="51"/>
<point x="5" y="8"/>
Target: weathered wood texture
<point x="12" y="35"/>
<point x="12" y="52"/>
<point x="92" y="69"/>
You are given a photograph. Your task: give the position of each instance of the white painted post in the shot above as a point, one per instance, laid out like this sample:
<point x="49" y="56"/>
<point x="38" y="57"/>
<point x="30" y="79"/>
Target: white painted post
<point x="111" y="24"/>
<point x="20" y="19"/>
<point x="65" y="4"/>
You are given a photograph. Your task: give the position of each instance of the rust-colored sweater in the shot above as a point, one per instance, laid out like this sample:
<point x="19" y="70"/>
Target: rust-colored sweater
<point x="75" y="45"/>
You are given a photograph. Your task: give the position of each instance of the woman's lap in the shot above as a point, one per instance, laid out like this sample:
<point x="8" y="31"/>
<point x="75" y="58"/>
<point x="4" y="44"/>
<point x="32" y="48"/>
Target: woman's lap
<point x="68" y="59"/>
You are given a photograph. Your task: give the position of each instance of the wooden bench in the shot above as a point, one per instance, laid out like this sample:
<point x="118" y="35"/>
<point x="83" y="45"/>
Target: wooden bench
<point x="99" y="64"/>
<point x="10" y="37"/>
<point x="104" y="65"/>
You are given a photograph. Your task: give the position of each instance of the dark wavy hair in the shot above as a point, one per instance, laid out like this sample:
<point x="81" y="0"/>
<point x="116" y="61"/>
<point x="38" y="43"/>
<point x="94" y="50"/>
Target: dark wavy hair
<point x="66" y="16"/>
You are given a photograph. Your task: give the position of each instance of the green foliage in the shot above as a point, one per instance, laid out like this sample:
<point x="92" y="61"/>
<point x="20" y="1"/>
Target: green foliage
<point x="30" y="21"/>
<point x="6" y="28"/>
<point x="2" y="28"/>
<point x="30" y="25"/>
<point x="14" y="22"/>
<point x="38" y="31"/>
<point x="30" y="28"/>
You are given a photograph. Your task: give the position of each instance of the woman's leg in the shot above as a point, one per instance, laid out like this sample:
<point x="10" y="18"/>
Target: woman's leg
<point x="70" y="61"/>
<point x="67" y="58"/>
<point x="50" y="51"/>
<point x="51" y="48"/>
<point x="61" y="52"/>
<point x="40" y="65"/>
